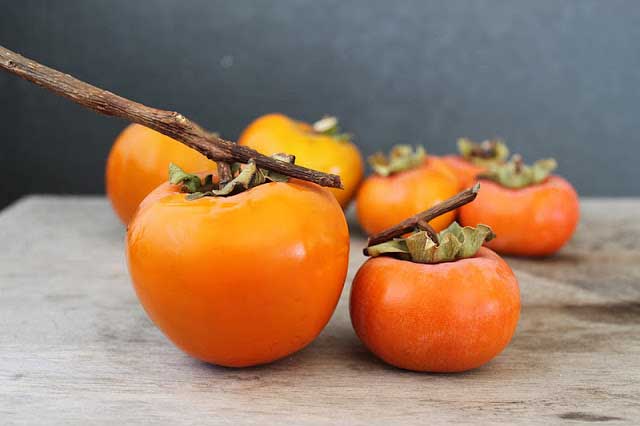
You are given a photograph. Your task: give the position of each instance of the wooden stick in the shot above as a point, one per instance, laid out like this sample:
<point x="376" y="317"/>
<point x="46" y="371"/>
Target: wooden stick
<point x="411" y="223"/>
<point x="170" y="123"/>
<point x="432" y="233"/>
<point x="224" y="173"/>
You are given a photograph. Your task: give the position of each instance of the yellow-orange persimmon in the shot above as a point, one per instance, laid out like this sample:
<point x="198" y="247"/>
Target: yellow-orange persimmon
<point x="138" y="163"/>
<point x="383" y="201"/>
<point x="240" y="280"/>
<point x="317" y="146"/>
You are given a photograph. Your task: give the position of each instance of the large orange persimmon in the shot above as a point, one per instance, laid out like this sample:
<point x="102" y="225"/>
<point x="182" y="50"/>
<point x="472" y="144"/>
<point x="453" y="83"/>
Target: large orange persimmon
<point x="385" y="199"/>
<point x="138" y="163"/>
<point x="446" y="317"/>
<point x="535" y="220"/>
<point x="318" y="146"/>
<point x="240" y="280"/>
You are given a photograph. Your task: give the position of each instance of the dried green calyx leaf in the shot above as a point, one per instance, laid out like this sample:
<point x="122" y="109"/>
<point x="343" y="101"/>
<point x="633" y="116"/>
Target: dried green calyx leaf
<point x="485" y="153"/>
<point x="328" y="125"/>
<point x="190" y="183"/>
<point x="400" y="158"/>
<point x="515" y="174"/>
<point x="455" y="242"/>
<point x="239" y="183"/>
<point x="244" y="178"/>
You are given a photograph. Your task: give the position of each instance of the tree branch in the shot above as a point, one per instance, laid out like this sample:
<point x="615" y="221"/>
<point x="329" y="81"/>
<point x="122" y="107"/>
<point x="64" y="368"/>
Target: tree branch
<point x="411" y="223"/>
<point x="170" y="123"/>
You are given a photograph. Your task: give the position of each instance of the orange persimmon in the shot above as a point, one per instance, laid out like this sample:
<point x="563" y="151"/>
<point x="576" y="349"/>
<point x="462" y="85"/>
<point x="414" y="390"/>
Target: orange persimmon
<point x="319" y="146"/>
<point x="535" y="220"/>
<point x="244" y="279"/>
<point x="434" y="301"/>
<point x="446" y="317"/>
<point x="384" y="200"/>
<point x="138" y="163"/>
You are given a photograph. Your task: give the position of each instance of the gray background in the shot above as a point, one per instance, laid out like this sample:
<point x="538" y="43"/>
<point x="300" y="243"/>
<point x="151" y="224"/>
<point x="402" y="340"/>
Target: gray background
<point x="555" y="78"/>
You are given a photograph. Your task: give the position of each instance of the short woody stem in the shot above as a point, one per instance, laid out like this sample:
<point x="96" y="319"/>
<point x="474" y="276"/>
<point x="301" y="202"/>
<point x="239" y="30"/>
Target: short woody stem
<point x="170" y="123"/>
<point x="422" y="219"/>
<point x="485" y="149"/>
<point x="518" y="163"/>
<point x="424" y="225"/>
<point x="224" y="173"/>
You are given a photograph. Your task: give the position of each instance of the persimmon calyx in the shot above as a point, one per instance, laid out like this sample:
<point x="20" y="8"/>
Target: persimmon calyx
<point x="485" y="153"/>
<point x="244" y="177"/>
<point x="328" y="126"/>
<point x="454" y="243"/>
<point x="515" y="174"/>
<point x="400" y="158"/>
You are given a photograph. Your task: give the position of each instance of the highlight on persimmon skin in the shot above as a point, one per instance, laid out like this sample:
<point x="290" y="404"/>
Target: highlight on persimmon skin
<point x="383" y="201"/>
<point x="447" y="317"/>
<point x="537" y="220"/>
<point x="240" y="280"/>
<point x="138" y="163"/>
<point x="275" y="133"/>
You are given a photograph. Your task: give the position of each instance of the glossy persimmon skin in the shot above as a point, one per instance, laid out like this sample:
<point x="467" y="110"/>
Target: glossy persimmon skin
<point x="384" y="201"/>
<point x="465" y="171"/>
<point x="139" y="162"/>
<point x="533" y="221"/>
<point x="444" y="318"/>
<point x="276" y="133"/>
<point x="242" y="280"/>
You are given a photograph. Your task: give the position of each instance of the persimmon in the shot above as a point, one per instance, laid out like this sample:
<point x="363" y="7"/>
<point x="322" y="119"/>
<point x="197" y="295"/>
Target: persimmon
<point x="405" y="183"/>
<point x="434" y="302"/>
<point x="238" y="274"/>
<point x="319" y="146"/>
<point x="533" y="212"/>
<point x="138" y="163"/>
<point x="473" y="158"/>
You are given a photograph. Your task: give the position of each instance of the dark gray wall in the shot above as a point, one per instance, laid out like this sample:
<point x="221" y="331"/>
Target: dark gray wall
<point x="556" y="78"/>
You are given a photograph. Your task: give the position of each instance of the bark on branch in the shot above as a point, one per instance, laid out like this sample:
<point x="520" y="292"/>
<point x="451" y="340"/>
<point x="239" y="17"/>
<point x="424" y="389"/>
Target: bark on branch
<point x="170" y="123"/>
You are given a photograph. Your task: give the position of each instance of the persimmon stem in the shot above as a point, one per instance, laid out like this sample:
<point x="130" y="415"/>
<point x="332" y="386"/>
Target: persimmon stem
<point x="224" y="173"/>
<point x="486" y="149"/>
<point x="422" y="219"/>
<point x="424" y="225"/>
<point x="518" y="162"/>
<point x="172" y="124"/>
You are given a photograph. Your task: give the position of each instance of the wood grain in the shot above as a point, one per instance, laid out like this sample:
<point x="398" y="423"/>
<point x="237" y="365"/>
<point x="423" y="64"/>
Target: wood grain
<point x="76" y="346"/>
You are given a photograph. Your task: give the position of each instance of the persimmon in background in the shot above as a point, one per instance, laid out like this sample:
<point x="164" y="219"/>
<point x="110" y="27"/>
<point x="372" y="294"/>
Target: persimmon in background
<point x="138" y="163"/>
<point x="320" y="146"/>
<point x="402" y="185"/>
<point x="533" y="212"/>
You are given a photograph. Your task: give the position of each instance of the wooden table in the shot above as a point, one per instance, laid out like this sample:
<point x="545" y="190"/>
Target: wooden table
<point x="75" y="345"/>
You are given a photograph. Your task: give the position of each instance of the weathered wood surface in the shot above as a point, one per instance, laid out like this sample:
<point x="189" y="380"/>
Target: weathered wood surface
<point x="76" y="347"/>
